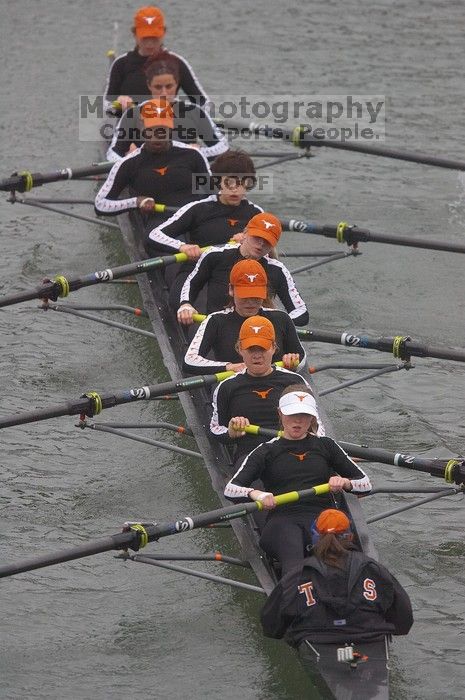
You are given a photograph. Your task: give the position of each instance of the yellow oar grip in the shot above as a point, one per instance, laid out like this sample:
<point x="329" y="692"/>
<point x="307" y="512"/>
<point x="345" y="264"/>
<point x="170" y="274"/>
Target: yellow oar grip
<point x="198" y="318"/>
<point x="252" y="429"/>
<point x="284" y="498"/>
<point x="293" y="496"/>
<point x="321" y="489"/>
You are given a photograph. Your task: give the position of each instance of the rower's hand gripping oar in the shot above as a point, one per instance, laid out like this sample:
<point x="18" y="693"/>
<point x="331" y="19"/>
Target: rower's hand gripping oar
<point x="61" y="286"/>
<point x="137" y="535"/>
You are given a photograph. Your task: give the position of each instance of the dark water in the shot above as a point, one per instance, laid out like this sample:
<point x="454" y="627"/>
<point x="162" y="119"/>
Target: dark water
<point x="99" y="628"/>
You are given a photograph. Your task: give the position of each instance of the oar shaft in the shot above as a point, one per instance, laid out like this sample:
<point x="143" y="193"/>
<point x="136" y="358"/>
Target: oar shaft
<point x="23" y="182"/>
<point x="54" y="289"/>
<point x="405" y="346"/>
<point x="353" y="234"/>
<point x="301" y="136"/>
<point x="136" y="535"/>
<point x="105" y="544"/>
<point x="93" y="403"/>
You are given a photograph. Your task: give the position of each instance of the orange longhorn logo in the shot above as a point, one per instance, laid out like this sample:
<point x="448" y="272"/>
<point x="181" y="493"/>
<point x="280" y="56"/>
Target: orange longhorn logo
<point x="162" y="171"/>
<point x="301" y="396"/>
<point x="262" y="394"/>
<point x="300" y="457"/>
<point x="233" y="222"/>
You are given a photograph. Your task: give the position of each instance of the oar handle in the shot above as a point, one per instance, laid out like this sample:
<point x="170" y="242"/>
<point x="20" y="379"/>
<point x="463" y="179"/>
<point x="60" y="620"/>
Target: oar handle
<point x="293" y="496"/>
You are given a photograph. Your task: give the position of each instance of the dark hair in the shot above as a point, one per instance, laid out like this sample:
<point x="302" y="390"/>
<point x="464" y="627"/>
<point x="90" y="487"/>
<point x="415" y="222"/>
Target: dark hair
<point x="161" y="65"/>
<point x="233" y="162"/>
<point x="332" y="549"/>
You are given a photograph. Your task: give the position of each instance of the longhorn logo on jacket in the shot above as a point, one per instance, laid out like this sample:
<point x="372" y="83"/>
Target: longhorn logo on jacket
<point x="161" y="171"/>
<point x="233" y="222"/>
<point x="300" y="456"/>
<point x="262" y="394"/>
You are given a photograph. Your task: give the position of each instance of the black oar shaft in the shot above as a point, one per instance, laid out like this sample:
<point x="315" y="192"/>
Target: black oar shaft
<point x="302" y="136"/>
<point x="137" y="535"/>
<point x="58" y="287"/>
<point x="453" y="470"/>
<point x="353" y="234"/>
<point x="92" y="405"/>
<point x="23" y="182"/>
<point x="105" y="544"/>
<point x="401" y="346"/>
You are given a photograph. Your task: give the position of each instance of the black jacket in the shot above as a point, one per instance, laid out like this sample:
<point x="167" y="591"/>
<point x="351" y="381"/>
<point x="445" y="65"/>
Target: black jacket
<point x="325" y="604"/>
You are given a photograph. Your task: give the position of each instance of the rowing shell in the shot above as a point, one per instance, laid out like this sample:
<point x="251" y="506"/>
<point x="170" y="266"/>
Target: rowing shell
<point x="338" y="679"/>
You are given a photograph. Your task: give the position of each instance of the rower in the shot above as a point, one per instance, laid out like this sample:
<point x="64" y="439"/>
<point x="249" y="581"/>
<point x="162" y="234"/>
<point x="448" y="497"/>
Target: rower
<point x="298" y="460"/>
<point x="126" y="81"/>
<point x="218" y="333"/>
<point x="336" y="595"/>
<point x="251" y="396"/>
<point x="191" y="122"/>
<point x="214" y="220"/>
<point x="262" y="233"/>
<point x="161" y="170"/>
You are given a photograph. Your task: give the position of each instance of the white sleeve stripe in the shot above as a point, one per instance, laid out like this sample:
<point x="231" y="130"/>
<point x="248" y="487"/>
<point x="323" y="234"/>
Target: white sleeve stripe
<point x="297" y="301"/>
<point x="363" y="484"/>
<point x="105" y="205"/>
<point x="194" y="77"/>
<point x="107" y="103"/>
<point x="192" y="356"/>
<point x="215" y="427"/>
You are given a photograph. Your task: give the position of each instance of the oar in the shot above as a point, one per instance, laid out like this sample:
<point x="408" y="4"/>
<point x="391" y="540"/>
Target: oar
<point x="92" y="403"/>
<point x="452" y="470"/>
<point x="25" y="181"/>
<point x="137" y="535"/>
<point x="401" y="346"/>
<point x="60" y="286"/>
<point x="301" y="136"/>
<point x="346" y="233"/>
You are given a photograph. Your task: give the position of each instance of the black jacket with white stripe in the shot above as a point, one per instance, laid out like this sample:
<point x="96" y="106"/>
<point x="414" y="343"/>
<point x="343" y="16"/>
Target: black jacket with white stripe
<point x="205" y="222"/>
<point x="166" y="176"/>
<point x="219" y="332"/>
<point x="213" y="268"/>
<point x="191" y="124"/>
<point x="127" y="77"/>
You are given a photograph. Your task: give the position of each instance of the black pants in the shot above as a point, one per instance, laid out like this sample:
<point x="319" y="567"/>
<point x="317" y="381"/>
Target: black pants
<point x="286" y="536"/>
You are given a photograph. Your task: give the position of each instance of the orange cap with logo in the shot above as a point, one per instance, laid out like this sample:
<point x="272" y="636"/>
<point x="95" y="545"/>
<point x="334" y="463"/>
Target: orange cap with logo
<point x="249" y="279"/>
<point x="157" y="113"/>
<point x="257" y="330"/>
<point x="265" y="226"/>
<point x="149" y="21"/>
<point x="332" y="520"/>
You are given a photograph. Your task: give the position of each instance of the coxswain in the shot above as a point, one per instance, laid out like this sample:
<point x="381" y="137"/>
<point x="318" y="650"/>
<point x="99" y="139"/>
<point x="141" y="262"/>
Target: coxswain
<point x="127" y="82"/>
<point x="161" y="170"/>
<point x="251" y="396"/>
<point x="217" y="334"/>
<point x="191" y="122"/>
<point x="336" y="595"/>
<point x="262" y="234"/>
<point x="300" y="459"/>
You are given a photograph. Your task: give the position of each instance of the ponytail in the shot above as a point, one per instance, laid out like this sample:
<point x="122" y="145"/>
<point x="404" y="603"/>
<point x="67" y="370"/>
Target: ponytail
<point x="332" y="549"/>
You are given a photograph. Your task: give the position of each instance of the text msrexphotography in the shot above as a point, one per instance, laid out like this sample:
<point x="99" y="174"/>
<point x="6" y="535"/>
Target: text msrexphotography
<point x="323" y="117"/>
